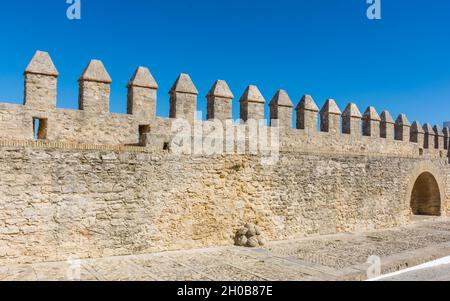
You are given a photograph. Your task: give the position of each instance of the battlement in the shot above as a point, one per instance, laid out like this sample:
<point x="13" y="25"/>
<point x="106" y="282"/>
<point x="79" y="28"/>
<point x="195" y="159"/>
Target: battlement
<point x="325" y="129"/>
<point x="91" y="183"/>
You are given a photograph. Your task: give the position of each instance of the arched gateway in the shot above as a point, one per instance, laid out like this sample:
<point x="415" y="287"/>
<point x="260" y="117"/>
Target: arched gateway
<point x="426" y="196"/>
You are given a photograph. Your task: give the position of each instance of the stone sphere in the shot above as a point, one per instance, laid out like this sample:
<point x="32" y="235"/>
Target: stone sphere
<point x="252" y="242"/>
<point x="242" y="232"/>
<point x="250" y="236"/>
<point x="242" y="241"/>
<point x="251" y="231"/>
<point x="261" y="240"/>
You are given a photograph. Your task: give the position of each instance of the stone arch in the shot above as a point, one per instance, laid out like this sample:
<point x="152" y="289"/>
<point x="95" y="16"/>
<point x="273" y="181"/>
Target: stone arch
<point x="425" y="196"/>
<point x="426" y="192"/>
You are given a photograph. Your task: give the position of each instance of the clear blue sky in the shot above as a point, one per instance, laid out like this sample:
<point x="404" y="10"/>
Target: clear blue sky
<point x="326" y="48"/>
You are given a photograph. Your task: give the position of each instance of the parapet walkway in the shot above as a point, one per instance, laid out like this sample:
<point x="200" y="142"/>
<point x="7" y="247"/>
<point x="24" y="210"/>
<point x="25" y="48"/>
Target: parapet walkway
<point x="334" y="257"/>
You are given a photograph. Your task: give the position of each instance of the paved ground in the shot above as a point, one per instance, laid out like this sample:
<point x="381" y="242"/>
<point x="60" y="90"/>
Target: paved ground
<point x="440" y="273"/>
<point x="334" y="257"/>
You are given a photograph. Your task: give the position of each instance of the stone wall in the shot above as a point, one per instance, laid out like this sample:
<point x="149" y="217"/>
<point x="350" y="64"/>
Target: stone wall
<point x="55" y="203"/>
<point x="93" y="184"/>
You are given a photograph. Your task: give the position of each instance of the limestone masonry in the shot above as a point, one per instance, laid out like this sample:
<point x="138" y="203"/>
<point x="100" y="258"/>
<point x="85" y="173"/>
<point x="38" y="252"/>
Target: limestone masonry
<point x="89" y="183"/>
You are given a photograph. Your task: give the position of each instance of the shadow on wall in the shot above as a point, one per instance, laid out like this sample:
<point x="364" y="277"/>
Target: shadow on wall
<point x="426" y="197"/>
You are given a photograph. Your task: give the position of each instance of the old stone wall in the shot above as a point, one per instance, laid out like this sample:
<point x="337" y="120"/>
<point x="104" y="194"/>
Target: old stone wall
<point x="55" y="203"/>
<point x="93" y="183"/>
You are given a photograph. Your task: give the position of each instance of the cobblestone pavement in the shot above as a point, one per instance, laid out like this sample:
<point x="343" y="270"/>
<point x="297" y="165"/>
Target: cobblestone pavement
<point x="333" y="257"/>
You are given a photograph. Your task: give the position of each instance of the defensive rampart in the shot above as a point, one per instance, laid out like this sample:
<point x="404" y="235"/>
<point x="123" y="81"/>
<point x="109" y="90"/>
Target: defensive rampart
<point x="90" y="183"/>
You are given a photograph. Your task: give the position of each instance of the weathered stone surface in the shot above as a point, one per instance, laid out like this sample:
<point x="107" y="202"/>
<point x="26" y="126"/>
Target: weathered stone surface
<point x="334" y="257"/>
<point x="428" y="136"/>
<point x="261" y="240"/>
<point x="403" y="120"/>
<point x="417" y="134"/>
<point x="253" y="242"/>
<point x="251" y="232"/>
<point x="371" y="123"/>
<point x="242" y="232"/>
<point x="91" y="187"/>
<point x="437" y="130"/>
<point x="94" y="89"/>
<point x="183" y="98"/>
<point x="96" y="72"/>
<point x="351" y="111"/>
<point x="143" y="78"/>
<point x="221" y="89"/>
<point x="439" y="138"/>
<point x="402" y="128"/>
<point x="141" y="99"/>
<point x="330" y="117"/>
<point x="40" y="82"/>
<point x="184" y="84"/>
<point x="428" y="129"/>
<point x="307" y="103"/>
<point x="220" y="101"/>
<point x="41" y="63"/>
<point x="351" y="120"/>
<point x="241" y="241"/>
<point x="281" y="99"/>
<point x="331" y="107"/>
<point x="281" y="109"/>
<point x="249" y="236"/>
<point x="252" y="104"/>
<point x="252" y="94"/>
<point x="416" y="127"/>
<point x="307" y="114"/>
<point x="387" y="129"/>
<point x="386" y="117"/>
<point x="126" y="201"/>
<point x="371" y="114"/>
<point x="446" y="132"/>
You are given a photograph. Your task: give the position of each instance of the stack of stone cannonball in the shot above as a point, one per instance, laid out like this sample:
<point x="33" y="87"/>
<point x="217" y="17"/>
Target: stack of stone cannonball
<point x="249" y="236"/>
